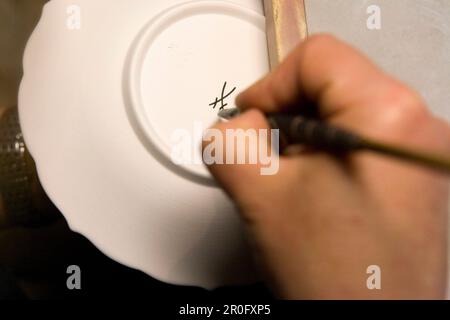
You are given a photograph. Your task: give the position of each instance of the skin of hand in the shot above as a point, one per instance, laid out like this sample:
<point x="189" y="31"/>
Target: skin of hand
<point x="322" y="220"/>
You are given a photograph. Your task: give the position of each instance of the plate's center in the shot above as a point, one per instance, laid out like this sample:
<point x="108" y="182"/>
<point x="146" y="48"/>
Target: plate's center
<point x="193" y="61"/>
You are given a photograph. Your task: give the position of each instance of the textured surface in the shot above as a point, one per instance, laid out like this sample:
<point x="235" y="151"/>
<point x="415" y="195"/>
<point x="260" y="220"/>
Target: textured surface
<point x="16" y="169"/>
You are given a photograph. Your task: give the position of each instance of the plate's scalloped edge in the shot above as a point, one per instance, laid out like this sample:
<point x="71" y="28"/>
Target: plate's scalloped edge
<point x="25" y="67"/>
<point x="28" y="138"/>
<point x="23" y="88"/>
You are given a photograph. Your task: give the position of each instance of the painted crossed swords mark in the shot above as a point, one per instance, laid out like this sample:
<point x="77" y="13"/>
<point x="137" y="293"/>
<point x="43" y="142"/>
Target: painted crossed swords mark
<point x="223" y="97"/>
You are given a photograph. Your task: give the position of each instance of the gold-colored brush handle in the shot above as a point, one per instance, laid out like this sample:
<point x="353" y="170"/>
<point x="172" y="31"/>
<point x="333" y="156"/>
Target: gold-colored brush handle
<point x="432" y="160"/>
<point x="286" y="27"/>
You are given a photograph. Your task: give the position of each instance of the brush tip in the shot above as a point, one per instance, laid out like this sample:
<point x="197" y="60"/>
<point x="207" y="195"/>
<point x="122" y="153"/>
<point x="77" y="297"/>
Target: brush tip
<point x="228" y="114"/>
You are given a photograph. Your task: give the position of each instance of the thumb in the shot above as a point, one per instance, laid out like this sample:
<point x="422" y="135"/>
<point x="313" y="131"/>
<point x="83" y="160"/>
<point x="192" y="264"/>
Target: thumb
<point x="239" y="155"/>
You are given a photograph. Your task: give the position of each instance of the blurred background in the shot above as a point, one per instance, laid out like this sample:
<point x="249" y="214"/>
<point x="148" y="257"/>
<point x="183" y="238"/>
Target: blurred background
<point x="17" y="20"/>
<point x="36" y="245"/>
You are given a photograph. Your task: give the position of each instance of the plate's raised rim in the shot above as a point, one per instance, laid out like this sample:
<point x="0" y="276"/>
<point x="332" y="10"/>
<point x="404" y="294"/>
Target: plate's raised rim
<point x="136" y="58"/>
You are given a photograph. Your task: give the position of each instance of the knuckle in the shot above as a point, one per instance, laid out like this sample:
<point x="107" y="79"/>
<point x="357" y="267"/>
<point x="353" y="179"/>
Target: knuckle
<point x="320" y="39"/>
<point x="447" y="141"/>
<point x="442" y="132"/>
<point x="405" y="101"/>
<point x="400" y="111"/>
<point x="403" y="108"/>
<point x="317" y="43"/>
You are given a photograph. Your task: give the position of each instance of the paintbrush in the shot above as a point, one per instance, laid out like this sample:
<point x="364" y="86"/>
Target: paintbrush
<point x="286" y="27"/>
<point x="298" y="130"/>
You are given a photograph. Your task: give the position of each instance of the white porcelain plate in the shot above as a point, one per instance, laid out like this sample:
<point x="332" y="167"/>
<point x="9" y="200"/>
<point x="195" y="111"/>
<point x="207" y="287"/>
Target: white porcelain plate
<point x="99" y="106"/>
<point x="180" y="64"/>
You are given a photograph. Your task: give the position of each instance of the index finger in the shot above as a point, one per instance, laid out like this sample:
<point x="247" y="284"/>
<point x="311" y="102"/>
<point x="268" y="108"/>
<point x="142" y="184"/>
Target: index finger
<point x="322" y="70"/>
